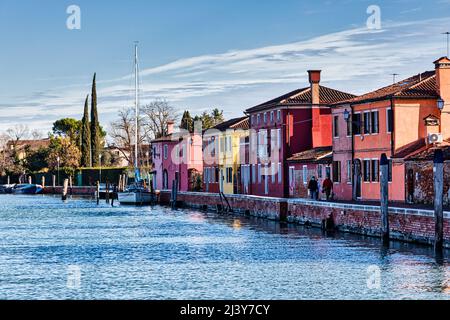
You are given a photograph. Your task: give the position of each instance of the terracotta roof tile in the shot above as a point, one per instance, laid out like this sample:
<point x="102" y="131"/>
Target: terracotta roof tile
<point x="427" y="153"/>
<point x="304" y="96"/>
<point x="236" y="123"/>
<point x="422" y="85"/>
<point x="316" y="155"/>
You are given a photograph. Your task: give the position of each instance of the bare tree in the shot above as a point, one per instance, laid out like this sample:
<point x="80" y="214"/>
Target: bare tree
<point x="123" y="131"/>
<point x="158" y="114"/>
<point x="17" y="133"/>
<point x="37" y="135"/>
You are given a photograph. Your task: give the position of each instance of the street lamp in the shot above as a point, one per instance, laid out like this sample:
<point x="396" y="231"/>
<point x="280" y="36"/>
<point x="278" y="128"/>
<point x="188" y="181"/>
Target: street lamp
<point x="346" y="115"/>
<point x="440" y="104"/>
<point x="100" y="162"/>
<point x="58" y="159"/>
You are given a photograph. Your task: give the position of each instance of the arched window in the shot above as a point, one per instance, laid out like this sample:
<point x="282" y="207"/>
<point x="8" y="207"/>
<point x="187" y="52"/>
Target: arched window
<point x="165" y="180"/>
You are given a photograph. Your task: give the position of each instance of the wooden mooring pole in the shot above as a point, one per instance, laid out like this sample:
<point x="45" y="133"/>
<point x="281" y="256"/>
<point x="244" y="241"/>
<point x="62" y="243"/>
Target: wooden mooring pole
<point x="43" y="182"/>
<point x="30" y="180"/>
<point x="438" y="171"/>
<point x="8" y="180"/>
<point x="97" y="193"/>
<point x="384" y="196"/>
<point x="107" y="192"/>
<point x="65" y="189"/>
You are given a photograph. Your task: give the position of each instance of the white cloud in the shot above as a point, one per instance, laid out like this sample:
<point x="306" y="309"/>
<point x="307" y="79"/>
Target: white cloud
<point x="356" y="60"/>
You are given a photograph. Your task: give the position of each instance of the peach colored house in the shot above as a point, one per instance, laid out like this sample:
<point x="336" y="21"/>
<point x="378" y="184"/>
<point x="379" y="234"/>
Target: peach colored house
<point x="396" y="120"/>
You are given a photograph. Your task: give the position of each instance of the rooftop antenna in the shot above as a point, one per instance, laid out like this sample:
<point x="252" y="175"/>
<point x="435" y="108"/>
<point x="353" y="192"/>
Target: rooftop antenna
<point x="448" y="46"/>
<point x="394" y="77"/>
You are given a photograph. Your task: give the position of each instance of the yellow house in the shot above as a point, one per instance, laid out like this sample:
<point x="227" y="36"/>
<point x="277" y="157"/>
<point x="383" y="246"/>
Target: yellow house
<point x="232" y="154"/>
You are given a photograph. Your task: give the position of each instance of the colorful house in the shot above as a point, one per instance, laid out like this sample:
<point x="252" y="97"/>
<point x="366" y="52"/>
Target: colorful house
<point x="177" y="157"/>
<point x="224" y="167"/>
<point x="396" y="120"/>
<point x="292" y="123"/>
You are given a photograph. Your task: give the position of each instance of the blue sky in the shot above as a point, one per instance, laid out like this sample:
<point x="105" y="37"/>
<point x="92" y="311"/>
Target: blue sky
<point x="200" y="54"/>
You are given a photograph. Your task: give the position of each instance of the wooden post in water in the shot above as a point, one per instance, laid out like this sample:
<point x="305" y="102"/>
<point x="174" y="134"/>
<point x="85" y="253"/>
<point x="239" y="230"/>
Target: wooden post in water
<point x="438" y="171"/>
<point x="30" y="180"/>
<point x="120" y="183"/>
<point x="54" y="183"/>
<point x="43" y="182"/>
<point x="71" y="185"/>
<point x="107" y="192"/>
<point x="8" y="180"/>
<point x="65" y="189"/>
<point x="384" y="195"/>
<point x="97" y="193"/>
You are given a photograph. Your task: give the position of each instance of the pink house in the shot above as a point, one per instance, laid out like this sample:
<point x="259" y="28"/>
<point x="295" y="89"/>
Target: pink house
<point x="177" y="155"/>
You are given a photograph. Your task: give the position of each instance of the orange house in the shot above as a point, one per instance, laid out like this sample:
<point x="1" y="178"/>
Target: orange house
<point x="396" y="120"/>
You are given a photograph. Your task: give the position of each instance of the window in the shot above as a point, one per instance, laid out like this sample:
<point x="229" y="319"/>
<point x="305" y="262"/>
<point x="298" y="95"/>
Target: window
<point x="216" y="175"/>
<point x="389" y="120"/>
<point x="328" y="172"/>
<point x="229" y="175"/>
<point x="279" y="138"/>
<point x="336" y="171"/>
<point x="259" y="173"/>
<point x="366" y="167"/>
<point x="375" y="122"/>
<point x="349" y="128"/>
<point x="319" y="171"/>
<point x="166" y="151"/>
<point x="254" y="173"/>
<point x="349" y="171"/>
<point x="271" y="116"/>
<point x="253" y="120"/>
<point x="280" y="177"/>
<point x="279" y="115"/>
<point x="336" y="126"/>
<point x="375" y="171"/>
<point x="356" y="127"/>
<point x="258" y="118"/>
<point x="390" y="171"/>
<point x="265" y="117"/>
<point x="273" y="172"/>
<point x="291" y="175"/>
<point x="367" y="121"/>
<point x="305" y="174"/>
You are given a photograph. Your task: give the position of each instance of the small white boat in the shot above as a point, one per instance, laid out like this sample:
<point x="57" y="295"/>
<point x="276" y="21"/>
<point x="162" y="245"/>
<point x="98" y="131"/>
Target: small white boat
<point x="136" y="196"/>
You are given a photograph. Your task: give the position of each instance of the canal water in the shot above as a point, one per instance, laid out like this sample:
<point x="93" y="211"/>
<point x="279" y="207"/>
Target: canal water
<point x="78" y="250"/>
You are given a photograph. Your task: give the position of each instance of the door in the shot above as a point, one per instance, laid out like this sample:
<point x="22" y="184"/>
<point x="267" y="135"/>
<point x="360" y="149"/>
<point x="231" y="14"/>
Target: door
<point x="222" y="176"/>
<point x="411" y="185"/>
<point x="357" y="184"/>
<point x="165" y="180"/>
<point x="266" y="184"/>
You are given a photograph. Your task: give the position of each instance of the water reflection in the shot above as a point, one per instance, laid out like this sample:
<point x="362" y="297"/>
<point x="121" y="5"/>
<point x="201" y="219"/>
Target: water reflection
<point x="156" y="253"/>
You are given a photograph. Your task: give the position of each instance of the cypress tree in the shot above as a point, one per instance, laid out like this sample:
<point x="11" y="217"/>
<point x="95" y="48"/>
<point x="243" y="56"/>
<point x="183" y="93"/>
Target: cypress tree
<point x="86" y="137"/>
<point x="187" y="122"/>
<point x="95" y="127"/>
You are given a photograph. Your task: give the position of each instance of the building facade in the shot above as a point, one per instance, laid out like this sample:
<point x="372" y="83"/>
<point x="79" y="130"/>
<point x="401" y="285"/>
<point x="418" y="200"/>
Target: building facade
<point x="295" y="122"/>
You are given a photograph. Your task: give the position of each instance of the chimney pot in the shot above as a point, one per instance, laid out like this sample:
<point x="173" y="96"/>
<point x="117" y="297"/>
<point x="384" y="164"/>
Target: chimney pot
<point x="170" y="127"/>
<point x="314" y="76"/>
<point x="314" y="80"/>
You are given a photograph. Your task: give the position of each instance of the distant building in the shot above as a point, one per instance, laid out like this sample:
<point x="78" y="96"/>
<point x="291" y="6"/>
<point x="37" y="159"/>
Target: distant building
<point x="22" y="147"/>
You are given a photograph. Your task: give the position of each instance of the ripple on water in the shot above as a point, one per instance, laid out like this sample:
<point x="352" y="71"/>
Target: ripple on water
<point x="154" y="253"/>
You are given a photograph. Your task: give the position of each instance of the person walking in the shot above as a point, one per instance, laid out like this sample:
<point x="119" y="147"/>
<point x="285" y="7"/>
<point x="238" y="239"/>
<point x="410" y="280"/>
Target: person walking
<point x="327" y="187"/>
<point x="313" y="188"/>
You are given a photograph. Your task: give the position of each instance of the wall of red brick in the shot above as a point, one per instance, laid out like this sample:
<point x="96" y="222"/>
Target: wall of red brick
<point x="423" y="181"/>
<point x="409" y="225"/>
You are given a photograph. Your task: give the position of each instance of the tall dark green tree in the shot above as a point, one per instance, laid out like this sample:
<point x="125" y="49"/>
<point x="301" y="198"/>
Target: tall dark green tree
<point x="187" y="123"/>
<point x="86" y="137"/>
<point x="95" y="127"/>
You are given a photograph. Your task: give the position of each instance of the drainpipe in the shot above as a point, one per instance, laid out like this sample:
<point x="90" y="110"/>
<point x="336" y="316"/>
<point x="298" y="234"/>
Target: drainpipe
<point x="352" y="136"/>
<point x="393" y="128"/>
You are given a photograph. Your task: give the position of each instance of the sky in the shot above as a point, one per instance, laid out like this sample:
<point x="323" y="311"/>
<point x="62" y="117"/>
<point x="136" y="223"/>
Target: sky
<point x="202" y="54"/>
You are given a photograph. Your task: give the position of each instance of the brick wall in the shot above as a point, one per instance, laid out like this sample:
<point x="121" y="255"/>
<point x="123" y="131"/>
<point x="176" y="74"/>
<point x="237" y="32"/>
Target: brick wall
<point x="423" y="182"/>
<point x="411" y="225"/>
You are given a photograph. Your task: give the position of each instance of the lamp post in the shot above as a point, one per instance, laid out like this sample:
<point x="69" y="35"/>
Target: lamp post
<point x="58" y="159"/>
<point x="440" y="104"/>
<point x="100" y="162"/>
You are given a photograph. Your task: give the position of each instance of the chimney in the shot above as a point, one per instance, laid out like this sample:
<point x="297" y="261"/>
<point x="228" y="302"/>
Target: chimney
<point x="314" y="80"/>
<point x="170" y="126"/>
<point x="443" y="88"/>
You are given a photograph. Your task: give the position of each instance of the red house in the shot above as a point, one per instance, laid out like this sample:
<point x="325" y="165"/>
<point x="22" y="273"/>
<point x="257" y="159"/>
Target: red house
<point x="292" y="123"/>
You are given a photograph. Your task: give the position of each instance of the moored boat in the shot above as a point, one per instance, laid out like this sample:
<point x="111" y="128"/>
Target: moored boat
<point x="26" y="189"/>
<point x="135" y="195"/>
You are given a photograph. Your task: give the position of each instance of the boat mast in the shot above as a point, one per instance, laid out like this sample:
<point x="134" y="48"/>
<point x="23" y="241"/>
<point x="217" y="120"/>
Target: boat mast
<point x="136" y="70"/>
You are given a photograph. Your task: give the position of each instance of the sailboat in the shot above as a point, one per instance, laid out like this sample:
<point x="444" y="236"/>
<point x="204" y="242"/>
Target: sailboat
<point x="136" y="194"/>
